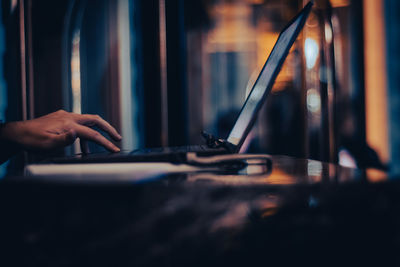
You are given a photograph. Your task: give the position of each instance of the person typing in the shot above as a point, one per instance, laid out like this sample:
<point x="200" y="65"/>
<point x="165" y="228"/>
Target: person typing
<point x="52" y="131"/>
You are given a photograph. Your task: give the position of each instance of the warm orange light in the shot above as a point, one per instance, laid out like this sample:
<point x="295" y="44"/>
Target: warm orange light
<point x="375" y="78"/>
<point x="376" y="176"/>
<point x="339" y="3"/>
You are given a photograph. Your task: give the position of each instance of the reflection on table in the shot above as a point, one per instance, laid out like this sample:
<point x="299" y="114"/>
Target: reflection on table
<point x="299" y="211"/>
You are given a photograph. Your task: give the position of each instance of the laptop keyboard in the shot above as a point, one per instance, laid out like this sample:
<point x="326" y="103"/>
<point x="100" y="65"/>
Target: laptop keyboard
<point x="165" y="154"/>
<point x="177" y="149"/>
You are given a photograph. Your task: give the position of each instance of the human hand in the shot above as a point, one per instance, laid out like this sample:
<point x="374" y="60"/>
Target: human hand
<point x="59" y="129"/>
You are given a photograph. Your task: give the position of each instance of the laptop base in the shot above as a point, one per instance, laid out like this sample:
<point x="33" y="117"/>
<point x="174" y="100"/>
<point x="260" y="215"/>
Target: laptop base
<point x="163" y="154"/>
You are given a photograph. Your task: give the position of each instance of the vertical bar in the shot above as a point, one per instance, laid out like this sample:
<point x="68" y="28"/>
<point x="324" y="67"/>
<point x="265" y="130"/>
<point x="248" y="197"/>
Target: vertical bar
<point x="23" y="58"/>
<point x="112" y="50"/>
<point x="163" y="72"/>
<point x="323" y="87"/>
<point x="31" y="96"/>
<point x="176" y="70"/>
<point x="24" y="92"/>
<point x="375" y="78"/>
<point x="392" y="19"/>
<point x="305" y="149"/>
<point x="357" y="69"/>
<point x="333" y="80"/>
<point x="126" y="75"/>
<point x="148" y="15"/>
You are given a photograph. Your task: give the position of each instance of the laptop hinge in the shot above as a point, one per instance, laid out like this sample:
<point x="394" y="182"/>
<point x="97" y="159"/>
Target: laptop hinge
<point x="214" y="142"/>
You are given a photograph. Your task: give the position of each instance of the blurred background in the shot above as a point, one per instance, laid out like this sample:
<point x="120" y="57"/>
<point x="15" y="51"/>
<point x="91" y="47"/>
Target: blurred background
<point x="162" y="71"/>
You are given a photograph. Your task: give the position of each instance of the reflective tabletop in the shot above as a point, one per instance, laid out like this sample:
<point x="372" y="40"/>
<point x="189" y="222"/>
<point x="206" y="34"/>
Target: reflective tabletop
<point x="292" y="211"/>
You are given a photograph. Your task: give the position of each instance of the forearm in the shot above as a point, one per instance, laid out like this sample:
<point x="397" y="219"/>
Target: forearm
<point x="8" y="148"/>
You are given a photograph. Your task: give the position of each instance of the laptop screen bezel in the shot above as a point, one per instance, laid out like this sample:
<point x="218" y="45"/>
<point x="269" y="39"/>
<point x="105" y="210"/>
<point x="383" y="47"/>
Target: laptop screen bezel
<point x="305" y="12"/>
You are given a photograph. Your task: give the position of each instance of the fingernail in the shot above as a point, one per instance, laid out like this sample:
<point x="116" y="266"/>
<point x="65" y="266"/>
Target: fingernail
<point x="117" y="136"/>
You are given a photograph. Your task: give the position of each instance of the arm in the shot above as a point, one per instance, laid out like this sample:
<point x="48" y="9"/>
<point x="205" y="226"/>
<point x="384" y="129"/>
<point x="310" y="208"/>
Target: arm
<point x="53" y="131"/>
<point x="7" y="148"/>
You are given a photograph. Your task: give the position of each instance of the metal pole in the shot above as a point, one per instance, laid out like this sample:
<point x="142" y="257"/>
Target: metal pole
<point x="23" y="59"/>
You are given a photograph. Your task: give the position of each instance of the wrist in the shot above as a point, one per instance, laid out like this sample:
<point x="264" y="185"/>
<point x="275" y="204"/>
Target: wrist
<point x="8" y="135"/>
<point x="8" y="148"/>
<point x="4" y="131"/>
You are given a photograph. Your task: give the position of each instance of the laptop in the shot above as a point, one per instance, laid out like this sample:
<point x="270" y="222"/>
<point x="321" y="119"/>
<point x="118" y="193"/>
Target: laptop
<point x="244" y="121"/>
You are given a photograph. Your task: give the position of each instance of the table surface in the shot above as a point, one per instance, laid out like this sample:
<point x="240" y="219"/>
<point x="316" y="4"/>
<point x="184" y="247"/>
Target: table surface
<point x="295" y="211"/>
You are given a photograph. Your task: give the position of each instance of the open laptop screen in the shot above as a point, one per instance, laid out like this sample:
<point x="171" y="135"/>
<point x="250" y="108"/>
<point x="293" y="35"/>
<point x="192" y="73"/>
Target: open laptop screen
<point x="265" y="80"/>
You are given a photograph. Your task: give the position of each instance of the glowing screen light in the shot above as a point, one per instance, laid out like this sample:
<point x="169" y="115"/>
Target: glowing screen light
<point x="311" y="49"/>
<point x="313" y="100"/>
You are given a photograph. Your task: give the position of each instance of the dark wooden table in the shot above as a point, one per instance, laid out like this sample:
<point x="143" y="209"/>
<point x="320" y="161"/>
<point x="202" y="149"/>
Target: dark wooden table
<point x="300" y="212"/>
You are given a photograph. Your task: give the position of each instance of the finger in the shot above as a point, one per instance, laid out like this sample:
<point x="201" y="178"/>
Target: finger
<point x="84" y="146"/>
<point x="92" y="135"/>
<point x="96" y="120"/>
